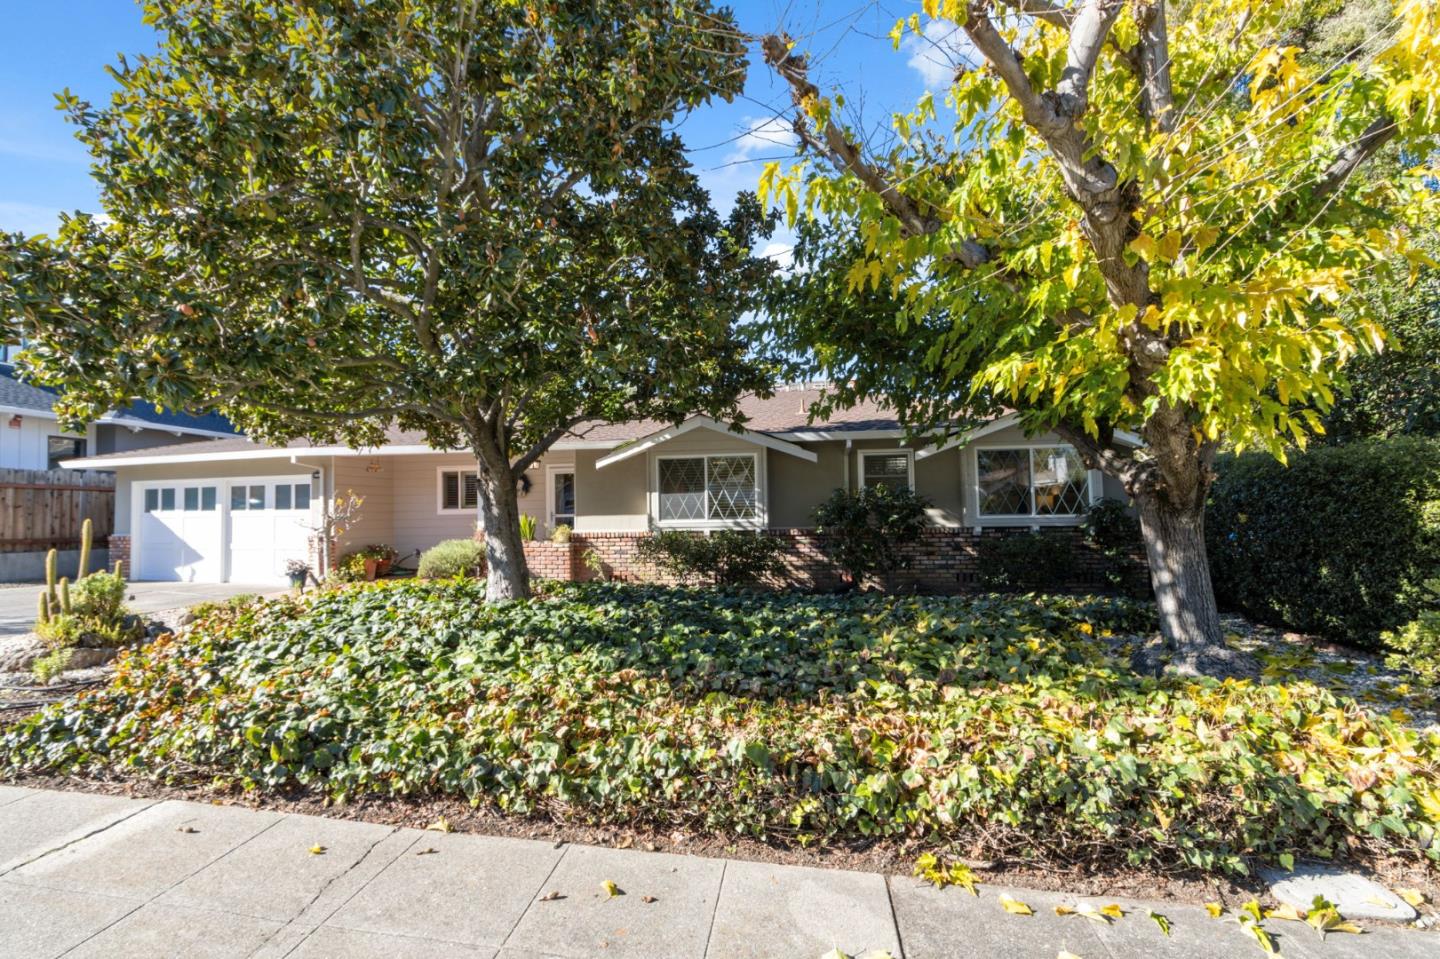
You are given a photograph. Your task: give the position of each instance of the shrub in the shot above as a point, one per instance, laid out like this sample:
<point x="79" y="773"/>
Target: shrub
<point x="1415" y="647"/>
<point x="1338" y="543"/>
<point x="1030" y="560"/>
<point x="52" y="664"/>
<point x="99" y="596"/>
<point x="527" y="527"/>
<point x="998" y="725"/>
<point x="725" y="557"/>
<point x="350" y="568"/>
<point x="1113" y="533"/>
<point x="864" y="531"/>
<point x="451" y="558"/>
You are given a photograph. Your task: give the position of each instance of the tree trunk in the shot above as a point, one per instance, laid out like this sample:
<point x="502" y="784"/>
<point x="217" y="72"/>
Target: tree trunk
<point x="1180" y="575"/>
<point x="506" y="577"/>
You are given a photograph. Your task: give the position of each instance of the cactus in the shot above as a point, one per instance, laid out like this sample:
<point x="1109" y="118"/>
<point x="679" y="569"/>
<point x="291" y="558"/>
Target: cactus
<point x="87" y="529"/>
<point x="65" y="595"/>
<point x="42" y="609"/>
<point x="51" y="559"/>
<point x="119" y="569"/>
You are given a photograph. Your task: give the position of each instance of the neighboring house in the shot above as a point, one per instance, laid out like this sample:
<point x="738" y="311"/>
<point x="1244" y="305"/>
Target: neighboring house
<point x="31" y="437"/>
<point x="236" y="511"/>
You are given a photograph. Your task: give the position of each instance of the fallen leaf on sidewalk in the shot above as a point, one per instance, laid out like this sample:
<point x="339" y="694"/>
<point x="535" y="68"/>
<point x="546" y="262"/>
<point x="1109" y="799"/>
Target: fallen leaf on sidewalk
<point x="1161" y="921"/>
<point x="1414" y="897"/>
<point x="1285" y="911"/>
<point x="1089" y="912"/>
<point x="1261" y="937"/>
<point x="1215" y="909"/>
<point x="427" y="851"/>
<point x="1113" y="911"/>
<point x="1015" y="907"/>
<point x="648" y="899"/>
<point x="551" y="896"/>
<point x="317" y="850"/>
<point x="190" y="830"/>
<point x="441" y="825"/>
<point x="611" y="890"/>
<point x="1066" y="955"/>
<point x="835" y="954"/>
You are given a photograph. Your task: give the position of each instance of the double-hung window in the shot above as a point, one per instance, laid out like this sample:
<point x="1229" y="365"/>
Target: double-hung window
<point x="459" y="490"/>
<point x="1037" y="481"/>
<point x="892" y="468"/>
<point x="709" y="489"/>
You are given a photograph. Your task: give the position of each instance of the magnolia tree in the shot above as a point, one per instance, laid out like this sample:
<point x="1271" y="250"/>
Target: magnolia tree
<point x="1131" y="217"/>
<point x="472" y="219"/>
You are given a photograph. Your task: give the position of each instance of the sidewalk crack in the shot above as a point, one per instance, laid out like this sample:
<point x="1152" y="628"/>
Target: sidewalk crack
<point x="719" y="891"/>
<point x="894" y="917"/>
<point x="360" y="861"/>
<point x="539" y="889"/>
<point x="79" y="839"/>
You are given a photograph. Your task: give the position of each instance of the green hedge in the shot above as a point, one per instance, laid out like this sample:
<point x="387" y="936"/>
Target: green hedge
<point x="1339" y="543"/>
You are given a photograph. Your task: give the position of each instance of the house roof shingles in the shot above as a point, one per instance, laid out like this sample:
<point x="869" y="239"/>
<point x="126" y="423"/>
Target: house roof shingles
<point x="27" y="396"/>
<point x="788" y="411"/>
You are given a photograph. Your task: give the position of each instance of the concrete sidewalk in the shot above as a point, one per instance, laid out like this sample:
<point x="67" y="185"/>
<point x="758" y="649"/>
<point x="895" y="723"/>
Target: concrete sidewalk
<point x="100" y="876"/>
<point x="17" y="603"/>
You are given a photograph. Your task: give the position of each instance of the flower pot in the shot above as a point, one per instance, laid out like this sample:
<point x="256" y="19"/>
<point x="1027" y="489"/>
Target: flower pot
<point x="297" y="580"/>
<point x="383" y="567"/>
<point x="372" y="567"/>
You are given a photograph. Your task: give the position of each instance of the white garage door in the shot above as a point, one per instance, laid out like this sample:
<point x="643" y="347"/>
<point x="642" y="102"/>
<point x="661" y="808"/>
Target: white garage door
<point x="267" y="528"/>
<point x="214" y="531"/>
<point x="180" y="533"/>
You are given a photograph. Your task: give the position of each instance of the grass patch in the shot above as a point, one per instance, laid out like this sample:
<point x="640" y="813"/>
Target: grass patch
<point x="998" y="724"/>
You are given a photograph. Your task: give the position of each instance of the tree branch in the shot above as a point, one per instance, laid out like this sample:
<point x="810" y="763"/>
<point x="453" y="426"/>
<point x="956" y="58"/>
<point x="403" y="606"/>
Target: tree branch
<point x="1380" y="131"/>
<point x="1158" y="96"/>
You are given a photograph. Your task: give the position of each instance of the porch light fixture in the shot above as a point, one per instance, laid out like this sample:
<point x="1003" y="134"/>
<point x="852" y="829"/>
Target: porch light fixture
<point x="15" y="421"/>
<point x="373" y="466"/>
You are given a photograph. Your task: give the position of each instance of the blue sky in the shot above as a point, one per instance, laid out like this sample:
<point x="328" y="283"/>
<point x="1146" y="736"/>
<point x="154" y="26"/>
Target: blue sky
<point x="54" y="44"/>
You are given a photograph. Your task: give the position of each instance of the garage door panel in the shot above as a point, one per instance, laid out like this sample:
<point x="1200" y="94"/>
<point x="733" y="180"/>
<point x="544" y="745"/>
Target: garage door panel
<point x="267" y="528"/>
<point x="180" y="533"/>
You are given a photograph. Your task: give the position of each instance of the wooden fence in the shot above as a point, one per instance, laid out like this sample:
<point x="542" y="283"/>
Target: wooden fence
<point x="40" y="509"/>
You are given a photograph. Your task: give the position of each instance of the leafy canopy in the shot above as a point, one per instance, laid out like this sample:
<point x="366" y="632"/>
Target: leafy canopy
<point x="474" y="218"/>
<point x="1247" y="214"/>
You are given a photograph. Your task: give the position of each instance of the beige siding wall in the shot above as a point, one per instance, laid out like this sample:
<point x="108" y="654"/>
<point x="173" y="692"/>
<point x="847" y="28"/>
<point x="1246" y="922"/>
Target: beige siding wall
<point x="415" y="504"/>
<point x="610" y="499"/>
<point x="797" y="487"/>
<point x="376" y="520"/>
<point x="127" y="475"/>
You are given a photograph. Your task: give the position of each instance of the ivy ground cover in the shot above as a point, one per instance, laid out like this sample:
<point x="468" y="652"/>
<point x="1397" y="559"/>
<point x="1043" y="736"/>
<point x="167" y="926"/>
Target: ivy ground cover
<point x="991" y="725"/>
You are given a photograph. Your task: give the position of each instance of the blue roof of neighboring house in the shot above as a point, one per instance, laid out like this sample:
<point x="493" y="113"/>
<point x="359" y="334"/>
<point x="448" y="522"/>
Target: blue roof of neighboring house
<point x="27" y="396"/>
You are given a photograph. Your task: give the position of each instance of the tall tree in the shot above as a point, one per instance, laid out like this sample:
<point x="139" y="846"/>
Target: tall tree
<point x="1142" y="216"/>
<point x="471" y="218"/>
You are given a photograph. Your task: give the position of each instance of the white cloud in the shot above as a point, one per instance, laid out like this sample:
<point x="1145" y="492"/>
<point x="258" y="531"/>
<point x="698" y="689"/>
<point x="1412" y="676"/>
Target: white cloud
<point x="783" y="254"/>
<point x="942" y="49"/>
<point x="763" y="136"/>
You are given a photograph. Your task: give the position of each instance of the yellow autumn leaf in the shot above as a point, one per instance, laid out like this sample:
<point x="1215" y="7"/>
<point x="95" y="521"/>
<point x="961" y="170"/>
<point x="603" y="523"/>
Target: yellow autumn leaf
<point x="1215" y="909"/>
<point x="1113" y="911"/>
<point x="1015" y="907"/>
<point x="1089" y="912"/>
<point x="1414" y="897"/>
<point x="1287" y="912"/>
<point x="835" y="954"/>
<point x="1161" y="921"/>
<point x="1066" y="955"/>
<point x="441" y="825"/>
<point x="611" y="890"/>
<point x="1261" y="937"/>
<point x="317" y="850"/>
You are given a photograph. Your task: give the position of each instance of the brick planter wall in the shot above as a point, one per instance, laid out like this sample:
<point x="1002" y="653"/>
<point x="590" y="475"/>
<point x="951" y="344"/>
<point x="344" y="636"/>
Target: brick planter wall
<point x="119" y="546"/>
<point x="549" y="560"/>
<point x="941" y="560"/>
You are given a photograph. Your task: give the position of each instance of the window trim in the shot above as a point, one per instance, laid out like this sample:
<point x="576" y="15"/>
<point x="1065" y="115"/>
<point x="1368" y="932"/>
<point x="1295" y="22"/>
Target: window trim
<point x="888" y="451"/>
<point x="758" y="521"/>
<point x="551" y="470"/>
<point x="1092" y="489"/>
<point x="462" y="509"/>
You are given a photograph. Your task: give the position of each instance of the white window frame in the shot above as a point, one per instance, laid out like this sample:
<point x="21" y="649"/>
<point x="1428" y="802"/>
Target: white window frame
<point x="551" y="469"/>
<point x="909" y="455"/>
<point x="757" y="521"/>
<point x="462" y="509"/>
<point x="1093" y="489"/>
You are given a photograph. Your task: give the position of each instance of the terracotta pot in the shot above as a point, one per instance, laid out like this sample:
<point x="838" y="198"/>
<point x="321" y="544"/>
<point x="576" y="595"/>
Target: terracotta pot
<point x="372" y="567"/>
<point x="383" y="567"/>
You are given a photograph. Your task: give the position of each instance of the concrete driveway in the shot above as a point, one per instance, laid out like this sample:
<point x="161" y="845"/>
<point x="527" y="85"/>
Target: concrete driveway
<point x="17" y="603"/>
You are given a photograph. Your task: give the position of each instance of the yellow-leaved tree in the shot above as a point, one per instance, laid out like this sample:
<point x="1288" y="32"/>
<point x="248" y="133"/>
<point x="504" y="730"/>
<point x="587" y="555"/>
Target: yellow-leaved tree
<point x="1128" y="216"/>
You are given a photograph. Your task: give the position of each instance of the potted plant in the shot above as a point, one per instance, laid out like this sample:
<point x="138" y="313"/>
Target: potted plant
<point x="561" y="533"/>
<point x="299" y="572"/>
<point x="378" y="560"/>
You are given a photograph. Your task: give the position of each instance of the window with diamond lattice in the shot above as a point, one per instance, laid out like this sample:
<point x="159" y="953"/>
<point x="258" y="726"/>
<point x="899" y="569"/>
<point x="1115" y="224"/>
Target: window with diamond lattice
<point x="707" y="489"/>
<point x="1044" y="481"/>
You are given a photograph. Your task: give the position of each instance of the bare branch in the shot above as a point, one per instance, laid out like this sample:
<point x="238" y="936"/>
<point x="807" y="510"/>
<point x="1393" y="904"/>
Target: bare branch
<point x="1052" y="13"/>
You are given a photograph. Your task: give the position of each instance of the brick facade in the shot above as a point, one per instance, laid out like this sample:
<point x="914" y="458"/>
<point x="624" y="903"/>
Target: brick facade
<point x="119" y="546"/>
<point x="941" y="560"/>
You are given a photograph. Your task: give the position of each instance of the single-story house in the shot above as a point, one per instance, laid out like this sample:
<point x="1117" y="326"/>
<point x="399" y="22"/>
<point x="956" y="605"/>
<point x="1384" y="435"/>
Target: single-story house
<point x="31" y="437"/>
<point x="236" y="511"/>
